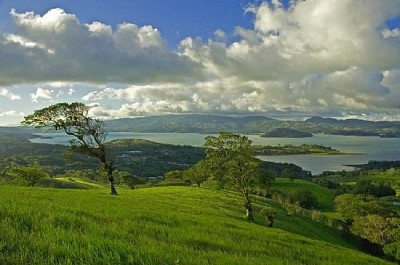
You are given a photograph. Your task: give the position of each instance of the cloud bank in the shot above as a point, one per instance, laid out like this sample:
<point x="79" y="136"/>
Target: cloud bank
<point x="313" y="57"/>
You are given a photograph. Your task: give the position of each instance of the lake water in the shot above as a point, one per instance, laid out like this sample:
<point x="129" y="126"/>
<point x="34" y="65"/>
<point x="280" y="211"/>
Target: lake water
<point x="372" y="148"/>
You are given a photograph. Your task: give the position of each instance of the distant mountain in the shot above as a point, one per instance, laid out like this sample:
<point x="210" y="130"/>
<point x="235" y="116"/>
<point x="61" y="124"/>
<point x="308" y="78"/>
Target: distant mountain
<point x="317" y="119"/>
<point x="185" y="123"/>
<point x="16" y="129"/>
<point x="286" y="133"/>
<point x="210" y="124"/>
<point x="355" y="122"/>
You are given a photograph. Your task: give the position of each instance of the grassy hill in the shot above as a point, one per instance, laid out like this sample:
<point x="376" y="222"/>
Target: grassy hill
<point x="164" y="225"/>
<point x="325" y="196"/>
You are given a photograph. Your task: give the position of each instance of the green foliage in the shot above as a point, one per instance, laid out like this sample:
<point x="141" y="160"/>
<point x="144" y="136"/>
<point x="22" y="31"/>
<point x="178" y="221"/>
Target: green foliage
<point x="167" y="225"/>
<point x="150" y="159"/>
<point x="373" y="227"/>
<point x="269" y="214"/>
<point x="130" y="180"/>
<point x="382" y="231"/>
<point x="392" y="247"/>
<point x="289" y="149"/>
<point x="89" y="133"/>
<point x="324" y="196"/>
<point x="352" y="206"/>
<point x="230" y="159"/>
<point x="304" y="198"/>
<point x="28" y="175"/>
<point x="368" y="187"/>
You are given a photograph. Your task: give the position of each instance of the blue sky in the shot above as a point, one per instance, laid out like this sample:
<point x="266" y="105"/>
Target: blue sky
<point x="289" y="59"/>
<point x="175" y="19"/>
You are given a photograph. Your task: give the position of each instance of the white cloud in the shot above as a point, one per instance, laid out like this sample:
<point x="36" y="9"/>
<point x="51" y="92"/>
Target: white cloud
<point x="41" y="94"/>
<point x="56" y="47"/>
<point x="395" y="33"/>
<point x="331" y="56"/>
<point x="11" y="113"/>
<point x="6" y="93"/>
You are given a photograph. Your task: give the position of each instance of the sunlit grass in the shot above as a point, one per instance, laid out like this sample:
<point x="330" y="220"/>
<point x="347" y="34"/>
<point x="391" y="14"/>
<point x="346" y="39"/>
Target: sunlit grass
<point x="164" y="225"/>
<point x="325" y="196"/>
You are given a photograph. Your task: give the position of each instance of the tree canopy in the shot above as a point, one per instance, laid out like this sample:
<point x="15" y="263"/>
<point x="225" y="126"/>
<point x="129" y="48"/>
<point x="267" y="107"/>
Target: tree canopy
<point x="230" y="159"/>
<point x="73" y="118"/>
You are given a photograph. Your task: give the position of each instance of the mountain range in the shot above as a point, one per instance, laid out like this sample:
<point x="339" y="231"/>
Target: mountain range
<point x="210" y="124"/>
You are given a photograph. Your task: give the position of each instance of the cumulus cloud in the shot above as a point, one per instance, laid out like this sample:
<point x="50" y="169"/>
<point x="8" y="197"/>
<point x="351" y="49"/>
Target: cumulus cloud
<point x="11" y="113"/>
<point x="57" y="47"/>
<point x="6" y="93"/>
<point x="331" y="56"/>
<point x="41" y="94"/>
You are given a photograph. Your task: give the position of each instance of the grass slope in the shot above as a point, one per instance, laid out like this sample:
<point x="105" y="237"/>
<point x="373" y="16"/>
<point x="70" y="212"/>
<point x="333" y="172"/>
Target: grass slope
<point x="325" y="196"/>
<point x="166" y="225"/>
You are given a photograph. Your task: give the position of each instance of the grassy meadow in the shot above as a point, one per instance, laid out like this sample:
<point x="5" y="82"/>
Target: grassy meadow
<point x="325" y="196"/>
<point x="161" y="225"/>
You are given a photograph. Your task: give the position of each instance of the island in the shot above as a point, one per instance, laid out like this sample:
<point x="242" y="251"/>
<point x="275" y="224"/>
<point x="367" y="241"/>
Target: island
<point x="289" y="149"/>
<point x="286" y="133"/>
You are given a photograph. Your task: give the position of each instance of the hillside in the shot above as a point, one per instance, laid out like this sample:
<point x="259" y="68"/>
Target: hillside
<point x="286" y="133"/>
<point x="325" y="196"/>
<point x="184" y="123"/>
<point x="171" y="225"/>
<point x="138" y="157"/>
<point x="196" y="123"/>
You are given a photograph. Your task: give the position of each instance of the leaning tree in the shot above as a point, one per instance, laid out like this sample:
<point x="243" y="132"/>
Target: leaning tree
<point x="230" y="159"/>
<point x="89" y="134"/>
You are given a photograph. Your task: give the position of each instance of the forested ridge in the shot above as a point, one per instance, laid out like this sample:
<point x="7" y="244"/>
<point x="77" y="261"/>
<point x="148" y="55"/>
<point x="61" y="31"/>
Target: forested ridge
<point x="210" y="124"/>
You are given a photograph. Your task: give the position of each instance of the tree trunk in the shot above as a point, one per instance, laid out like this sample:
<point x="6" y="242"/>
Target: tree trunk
<point x="248" y="206"/>
<point x="109" y="169"/>
<point x="112" y="186"/>
<point x="270" y="220"/>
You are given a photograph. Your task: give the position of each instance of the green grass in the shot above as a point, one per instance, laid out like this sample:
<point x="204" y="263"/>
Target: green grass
<point x="69" y="183"/>
<point x="163" y="225"/>
<point x="80" y="181"/>
<point x="325" y="196"/>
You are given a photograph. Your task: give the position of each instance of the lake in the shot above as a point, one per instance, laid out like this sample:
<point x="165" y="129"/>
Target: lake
<point x="372" y="148"/>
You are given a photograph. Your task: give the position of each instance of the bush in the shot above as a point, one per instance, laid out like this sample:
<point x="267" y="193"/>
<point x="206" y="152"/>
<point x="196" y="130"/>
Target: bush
<point x="367" y="187"/>
<point x="352" y="206"/>
<point x="304" y="198"/>
<point x="27" y="175"/>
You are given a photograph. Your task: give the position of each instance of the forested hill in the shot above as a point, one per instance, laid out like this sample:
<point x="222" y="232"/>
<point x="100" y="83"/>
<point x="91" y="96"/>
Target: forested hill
<point x="186" y="123"/>
<point x="196" y="123"/>
<point x="210" y="124"/>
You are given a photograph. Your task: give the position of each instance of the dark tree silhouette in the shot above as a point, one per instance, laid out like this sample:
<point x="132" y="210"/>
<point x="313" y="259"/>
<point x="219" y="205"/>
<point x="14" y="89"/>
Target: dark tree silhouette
<point x="89" y="133"/>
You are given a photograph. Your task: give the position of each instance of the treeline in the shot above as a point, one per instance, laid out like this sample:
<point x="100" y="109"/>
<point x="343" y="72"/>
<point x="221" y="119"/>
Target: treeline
<point x="289" y="149"/>
<point x="135" y="157"/>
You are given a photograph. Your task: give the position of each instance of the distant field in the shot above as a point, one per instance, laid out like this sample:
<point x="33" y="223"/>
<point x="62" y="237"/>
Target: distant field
<point x="167" y="225"/>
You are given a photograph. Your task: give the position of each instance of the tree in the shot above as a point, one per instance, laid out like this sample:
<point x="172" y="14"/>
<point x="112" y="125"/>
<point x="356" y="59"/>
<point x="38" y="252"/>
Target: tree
<point x="89" y="133"/>
<point x="196" y="174"/>
<point x="392" y="247"/>
<point x="28" y="175"/>
<point x="128" y="179"/>
<point x="230" y="159"/>
<point x="351" y="206"/>
<point x="269" y="214"/>
<point x="373" y="227"/>
<point x="304" y="198"/>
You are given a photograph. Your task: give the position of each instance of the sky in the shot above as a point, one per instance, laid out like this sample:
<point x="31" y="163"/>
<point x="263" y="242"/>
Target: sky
<point x="130" y="58"/>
